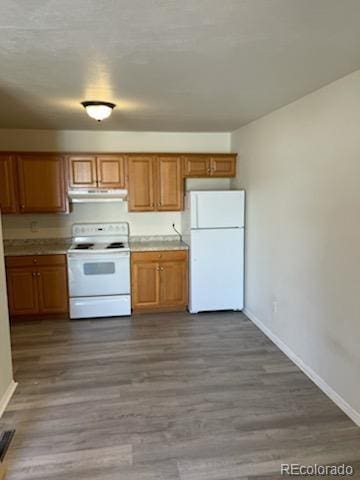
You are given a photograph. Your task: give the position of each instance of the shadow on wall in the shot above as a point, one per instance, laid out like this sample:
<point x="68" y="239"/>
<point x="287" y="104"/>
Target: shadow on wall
<point x="15" y="115"/>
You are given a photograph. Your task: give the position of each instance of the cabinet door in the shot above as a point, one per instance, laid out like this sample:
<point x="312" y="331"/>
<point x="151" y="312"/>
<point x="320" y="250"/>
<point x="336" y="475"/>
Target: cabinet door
<point x="223" y="166"/>
<point x="197" y="166"/>
<point x="110" y="171"/>
<point x="82" y="171"/>
<point x="173" y="283"/>
<point x="22" y="291"/>
<point x="141" y="183"/>
<point x="52" y="288"/>
<point x="42" y="183"/>
<point x="8" y="202"/>
<point x="170" y="184"/>
<point x="145" y="281"/>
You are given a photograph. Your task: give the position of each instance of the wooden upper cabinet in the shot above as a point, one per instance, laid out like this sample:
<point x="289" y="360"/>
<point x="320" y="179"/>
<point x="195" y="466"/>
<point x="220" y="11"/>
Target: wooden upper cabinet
<point x="42" y="183"/>
<point x="110" y="171"/>
<point x="105" y="171"/>
<point x="155" y="183"/>
<point x="82" y="171"/>
<point x="170" y="185"/>
<point x="8" y="181"/>
<point x="200" y="166"/>
<point x="223" y="166"/>
<point x="141" y="171"/>
<point x="197" y="166"/>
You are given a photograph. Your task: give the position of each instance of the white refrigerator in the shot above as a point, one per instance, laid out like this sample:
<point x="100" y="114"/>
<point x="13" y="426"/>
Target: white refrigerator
<point x="213" y="227"/>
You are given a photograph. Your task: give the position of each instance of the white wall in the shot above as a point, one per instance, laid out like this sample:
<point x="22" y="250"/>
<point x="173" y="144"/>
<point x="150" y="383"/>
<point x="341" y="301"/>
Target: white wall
<point x="103" y="141"/>
<point x="6" y="375"/>
<point x="18" y="226"/>
<point x="300" y="166"/>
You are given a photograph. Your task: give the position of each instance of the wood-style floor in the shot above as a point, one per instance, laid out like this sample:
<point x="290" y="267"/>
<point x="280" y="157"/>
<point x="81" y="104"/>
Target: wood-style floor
<point x="165" y="397"/>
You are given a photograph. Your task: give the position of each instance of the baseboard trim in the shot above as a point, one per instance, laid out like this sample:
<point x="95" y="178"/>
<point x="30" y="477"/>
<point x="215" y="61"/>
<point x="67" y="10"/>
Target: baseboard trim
<point x="309" y="372"/>
<point x="7" y="397"/>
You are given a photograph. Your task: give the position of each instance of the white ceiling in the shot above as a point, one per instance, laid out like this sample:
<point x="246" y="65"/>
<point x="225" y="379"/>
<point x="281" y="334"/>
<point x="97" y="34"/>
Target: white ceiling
<point x="170" y="65"/>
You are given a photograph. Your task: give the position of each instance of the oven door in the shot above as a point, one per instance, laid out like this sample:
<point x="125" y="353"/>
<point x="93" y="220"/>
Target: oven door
<point x="94" y="275"/>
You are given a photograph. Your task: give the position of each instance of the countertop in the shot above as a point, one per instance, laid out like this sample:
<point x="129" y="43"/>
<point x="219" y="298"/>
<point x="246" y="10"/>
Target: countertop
<point x="39" y="246"/>
<point x="59" y="246"/>
<point x="153" y="245"/>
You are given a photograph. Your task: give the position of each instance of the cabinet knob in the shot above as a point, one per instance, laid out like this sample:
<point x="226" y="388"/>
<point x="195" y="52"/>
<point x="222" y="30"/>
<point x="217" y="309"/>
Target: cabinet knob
<point x="162" y="269"/>
<point x="33" y="274"/>
<point x="38" y="274"/>
<point x="35" y="260"/>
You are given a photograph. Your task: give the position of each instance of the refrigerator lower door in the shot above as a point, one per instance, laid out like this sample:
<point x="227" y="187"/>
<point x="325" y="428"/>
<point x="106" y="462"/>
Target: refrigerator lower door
<point x="216" y="270"/>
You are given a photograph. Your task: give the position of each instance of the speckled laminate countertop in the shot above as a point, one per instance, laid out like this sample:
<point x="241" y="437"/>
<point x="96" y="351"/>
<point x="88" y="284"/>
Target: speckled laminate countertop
<point x="39" y="246"/>
<point x="59" y="246"/>
<point x="153" y="245"/>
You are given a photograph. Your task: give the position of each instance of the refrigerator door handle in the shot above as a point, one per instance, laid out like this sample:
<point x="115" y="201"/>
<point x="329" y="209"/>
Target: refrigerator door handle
<point x="196" y="209"/>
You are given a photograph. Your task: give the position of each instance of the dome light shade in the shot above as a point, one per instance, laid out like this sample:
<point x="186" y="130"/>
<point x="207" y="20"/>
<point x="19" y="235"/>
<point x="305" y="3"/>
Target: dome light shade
<point x="98" y="110"/>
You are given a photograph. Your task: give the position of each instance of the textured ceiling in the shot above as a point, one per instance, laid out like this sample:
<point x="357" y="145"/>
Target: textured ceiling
<point x="170" y="65"/>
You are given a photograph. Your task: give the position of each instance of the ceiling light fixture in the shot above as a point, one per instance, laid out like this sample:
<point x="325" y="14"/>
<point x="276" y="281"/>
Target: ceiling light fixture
<point x="98" y="110"/>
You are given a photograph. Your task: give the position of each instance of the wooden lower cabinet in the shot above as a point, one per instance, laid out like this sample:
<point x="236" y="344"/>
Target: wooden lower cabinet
<point x="22" y="291"/>
<point x="159" y="280"/>
<point x="37" y="285"/>
<point x="52" y="289"/>
<point x="173" y="287"/>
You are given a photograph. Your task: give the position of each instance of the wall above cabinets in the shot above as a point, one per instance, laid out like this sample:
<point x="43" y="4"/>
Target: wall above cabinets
<point x="38" y="182"/>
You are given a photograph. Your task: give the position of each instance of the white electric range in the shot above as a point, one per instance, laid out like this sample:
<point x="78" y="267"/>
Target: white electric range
<point x="99" y="270"/>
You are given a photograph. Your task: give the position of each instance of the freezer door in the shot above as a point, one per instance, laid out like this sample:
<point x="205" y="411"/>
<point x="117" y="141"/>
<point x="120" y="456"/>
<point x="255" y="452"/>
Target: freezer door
<point x="217" y="209"/>
<point x="216" y="270"/>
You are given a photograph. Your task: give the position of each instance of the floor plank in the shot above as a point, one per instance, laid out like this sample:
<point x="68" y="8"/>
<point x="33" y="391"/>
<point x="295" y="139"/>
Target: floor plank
<point x="165" y="396"/>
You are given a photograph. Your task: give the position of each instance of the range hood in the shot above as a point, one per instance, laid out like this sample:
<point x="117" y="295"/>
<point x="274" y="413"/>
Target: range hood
<point x="96" y="195"/>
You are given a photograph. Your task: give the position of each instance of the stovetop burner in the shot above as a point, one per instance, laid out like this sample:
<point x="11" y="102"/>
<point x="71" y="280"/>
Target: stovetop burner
<point x="116" y="245"/>
<point x="83" y="246"/>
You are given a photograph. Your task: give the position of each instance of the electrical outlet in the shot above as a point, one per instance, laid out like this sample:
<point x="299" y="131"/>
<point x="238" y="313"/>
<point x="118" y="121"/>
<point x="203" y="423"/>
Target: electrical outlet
<point x="274" y="306"/>
<point x="34" y="227"/>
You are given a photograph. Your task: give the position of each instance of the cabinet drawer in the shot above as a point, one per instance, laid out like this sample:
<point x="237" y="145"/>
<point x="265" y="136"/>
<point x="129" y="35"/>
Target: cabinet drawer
<point x="159" y="255"/>
<point x="30" y="260"/>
